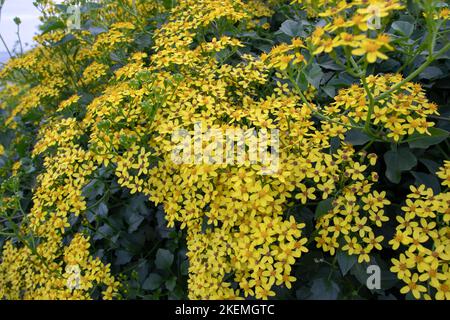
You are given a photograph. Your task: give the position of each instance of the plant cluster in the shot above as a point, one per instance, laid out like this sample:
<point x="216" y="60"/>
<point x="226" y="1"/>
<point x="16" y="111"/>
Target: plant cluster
<point x="93" y="205"/>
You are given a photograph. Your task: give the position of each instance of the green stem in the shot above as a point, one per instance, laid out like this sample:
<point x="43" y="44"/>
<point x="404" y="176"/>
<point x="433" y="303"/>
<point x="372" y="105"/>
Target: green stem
<point x="414" y="74"/>
<point x="6" y="46"/>
<point x="19" y="39"/>
<point x="443" y="152"/>
<point x="5" y="234"/>
<point x="314" y="112"/>
<point x="368" y="122"/>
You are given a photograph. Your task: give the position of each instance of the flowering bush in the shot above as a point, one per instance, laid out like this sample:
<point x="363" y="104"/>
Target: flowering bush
<point x="94" y="205"/>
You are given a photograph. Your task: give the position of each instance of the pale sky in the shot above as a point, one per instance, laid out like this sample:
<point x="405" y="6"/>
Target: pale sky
<point x="29" y="15"/>
<point x="25" y="10"/>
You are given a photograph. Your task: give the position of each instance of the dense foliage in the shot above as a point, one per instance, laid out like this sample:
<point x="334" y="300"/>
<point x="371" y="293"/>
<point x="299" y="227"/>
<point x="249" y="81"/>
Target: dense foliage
<point x="92" y="205"/>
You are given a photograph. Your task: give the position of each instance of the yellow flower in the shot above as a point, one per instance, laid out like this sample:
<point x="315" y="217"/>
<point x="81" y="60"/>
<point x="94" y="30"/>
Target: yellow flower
<point x="360" y="226"/>
<point x="443" y="291"/>
<point x="444" y="13"/>
<point x="69" y="102"/>
<point x="397" y="131"/>
<point x="363" y="255"/>
<point x="432" y="274"/>
<point x="285" y="279"/>
<point x="378" y="217"/>
<point x="444" y="173"/>
<point x="379" y="114"/>
<point x="399" y="238"/>
<point x="326" y="45"/>
<point x="326" y="188"/>
<point x="266" y="26"/>
<point x="413" y="286"/>
<point x="348" y="39"/>
<point x="370" y="48"/>
<point x="352" y="246"/>
<point x="263" y="291"/>
<point x="360" y="21"/>
<point x="16" y="167"/>
<point x="305" y="193"/>
<point x="356" y="172"/>
<point x="372" y="158"/>
<point x="401" y="267"/>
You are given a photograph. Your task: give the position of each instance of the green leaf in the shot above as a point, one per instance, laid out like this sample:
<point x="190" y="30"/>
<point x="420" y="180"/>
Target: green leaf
<point x="52" y="25"/>
<point x="184" y="268"/>
<point x="414" y="7"/>
<point x="134" y="220"/>
<point x="96" y="30"/>
<point x="291" y="28"/>
<point x="331" y="65"/>
<point x="104" y="231"/>
<point x="123" y="257"/>
<point x="303" y="293"/>
<point x="359" y="271"/>
<point x="153" y="282"/>
<point x="323" y="289"/>
<point x="428" y="180"/>
<point x="144" y="41"/>
<point x="397" y="162"/>
<point x="335" y="144"/>
<point x="164" y="259"/>
<point x="431" y="73"/>
<point x="66" y="39"/>
<point x="345" y="261"/>
<point x="142" y="270"/>
<point x="93" y="189"/>
<point x="102" y="210"/>
<point x="323" y="207"/>
<point x="171" y="283"/>
<point x="314" y="75"/>
<point x="423" y="141"/>
<point x="302" y="81"/>
<point x="357" y="137"/>
<point x="169" y="4"/>
<point x="22" y="147"/>
<point x="403" y="27"/>
<point x="330" y="91"/>
<point x="431" y="165"/>
<point x="387" y="278"/>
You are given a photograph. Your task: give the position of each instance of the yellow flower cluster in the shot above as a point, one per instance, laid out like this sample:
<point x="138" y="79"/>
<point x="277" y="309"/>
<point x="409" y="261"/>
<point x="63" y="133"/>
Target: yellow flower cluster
<point x="440" y="13"/>
<point x="422" y="234"/>
<point x="356" y="212"/>
<point x="30" y="272"/>
<point x="51" y="69"/>
<point x="444" y="14"/>
<point x="46" y="272"/>
<point x="94" y="72"/>
<point x="242" y="237"/>
<point x="57" y="133"/>
<point x="234" y="215"/>
<point x="347" y="26"/>
<point x="444" y="174"/>
<point x="68" y="103"/>
<point x="118" y="35"/>
<point x="280" y="56"/>
<point x="394" y="117"/>
<point x="197" y="194"/>
<point x="44" y="268"/>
